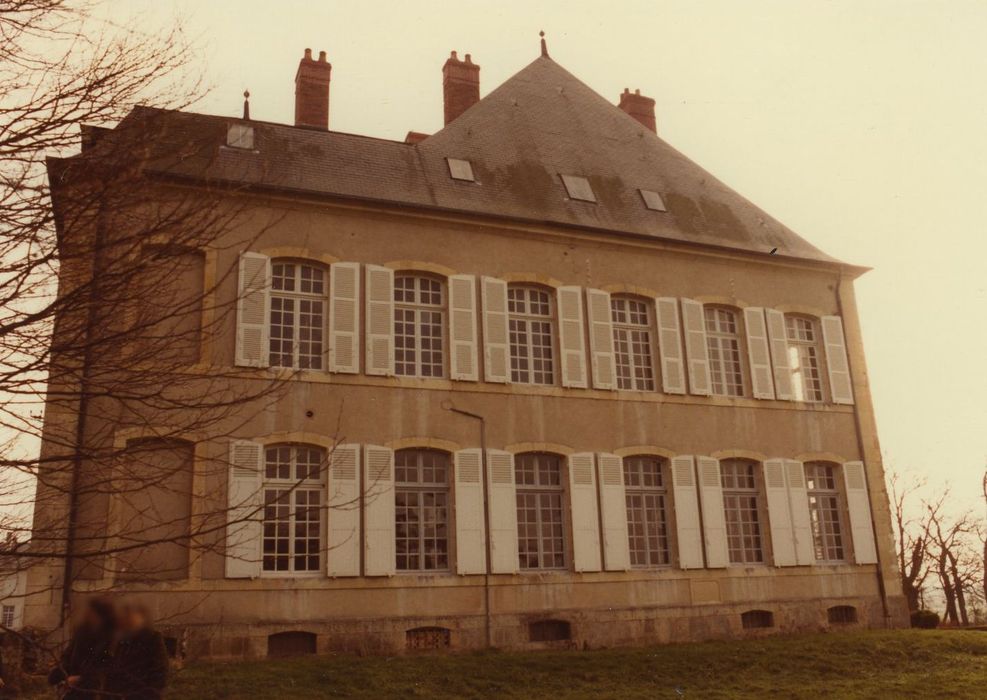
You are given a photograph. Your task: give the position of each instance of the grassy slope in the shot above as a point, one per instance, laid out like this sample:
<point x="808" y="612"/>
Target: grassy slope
<point x="843" y="665"/>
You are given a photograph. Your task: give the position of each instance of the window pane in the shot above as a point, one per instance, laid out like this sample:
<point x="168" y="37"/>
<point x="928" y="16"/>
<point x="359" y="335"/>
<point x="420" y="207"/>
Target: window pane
<point x="419" y="324"/>
<point x="421" y="510"/>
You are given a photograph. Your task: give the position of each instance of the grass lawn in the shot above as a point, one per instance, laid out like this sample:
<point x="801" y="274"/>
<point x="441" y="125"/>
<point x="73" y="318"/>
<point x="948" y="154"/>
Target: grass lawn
<point x="878" y="664"/>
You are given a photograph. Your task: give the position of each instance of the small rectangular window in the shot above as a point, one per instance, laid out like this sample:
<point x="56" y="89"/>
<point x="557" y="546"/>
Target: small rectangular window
<point x="240" y="136"/>
<point x="653" y="200"/>
<point x="578" y="188"/>
<point x="7" y="616"/>
<point x="460" y="169"/>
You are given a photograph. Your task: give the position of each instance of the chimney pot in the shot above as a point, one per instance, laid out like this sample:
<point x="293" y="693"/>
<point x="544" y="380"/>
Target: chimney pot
<point x="312" y="91"/>
<point x="308" y="54"/>
<point x="460" y="85"/>
<point x="640" y="107"/>
<point x="322" y="56"/>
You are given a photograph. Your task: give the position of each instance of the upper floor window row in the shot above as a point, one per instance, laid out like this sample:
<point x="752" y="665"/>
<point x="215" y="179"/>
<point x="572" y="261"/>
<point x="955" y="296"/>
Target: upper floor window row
<point x="302" y="315"/>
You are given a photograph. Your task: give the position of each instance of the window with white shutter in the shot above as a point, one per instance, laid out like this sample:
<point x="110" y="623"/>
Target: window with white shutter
<point x="380" y="320"/>
<point x="694" y="323"/>
<point x="614" y="512"/>
<point x="419" y="325"/>
<point x="244" y="506"/>
<point x="298" y="315"/>
<point x="502" y="505"/>
<point x="741" y="505"/>
<point x="421" y="506"/>
<point x="600" y="338"/>
<point x="471" y="555"/>
<point x="799" y="503"/>
<point x="294" y="493"/>
<point x="344" y="318"/>
<point x="540" y="512"/>
<point x="826" y="511"/>
<point x="836" y="360"/>
<point x="724" y="350"/>
<point x="647" y="511"/>
<point x="779" y="513"/>
<point x="496" y="352"/>
<point x="530" y="320"/>
<point x="571" y="337"/>
<point x="462" y="323"/>
<point x="688" y="529"/>
<point x="378" y="495"/>
<point x="633" y="350"/>
<point x="343" y="518"/>
<point x="585" y="516"/>
<point x="858" y="507"/>
<point x="715" y="519"/>
<point x="670" y="345"/>
<point x="804" y="358"/>
<point x="759" y="353"/>
<point x="778" y="341"/>
<point x="253" y="309"/>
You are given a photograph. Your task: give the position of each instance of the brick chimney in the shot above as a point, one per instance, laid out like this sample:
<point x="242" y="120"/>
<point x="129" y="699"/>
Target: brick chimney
<point x="640" y="107"/>
<point x="460" y="85"/>
<point x="312" y="91"/>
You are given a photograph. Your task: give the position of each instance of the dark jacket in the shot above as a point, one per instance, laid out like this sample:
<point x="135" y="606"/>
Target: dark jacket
<point x="138" y="668"/>
<point x="87" y="655"/>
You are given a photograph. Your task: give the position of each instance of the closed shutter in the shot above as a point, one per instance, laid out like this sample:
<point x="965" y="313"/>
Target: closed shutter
<point x="601" y="338"/>
<point x="760" y="355"/>
<point x="670" y="345"/>
<point x="343" y="520"/>
<point x="858" y="506"/>
<point x="380" y="320"/>
<point x="496" y="352"/>
<point x="585" y="518"/>
<point x="471" y="554"/>
<point x="798" y="498"/>
<point x="344" y="318"/>
<point x="464" y="363"/>
<point x="836" y="360"/>
<point x="571" y="337"/>
<point x="687" y="526"/>
<point x="502" y="503"/>
<point x="778" y="340"/>
<point x="613" y="504"/>
<point x="779" y="514"/>
<point x="253" y="310"/>
<point x="378" y="494"/>
<point x="714" y="519"/>
<point x="244" y="505"/>
<point x="694" y="322"/>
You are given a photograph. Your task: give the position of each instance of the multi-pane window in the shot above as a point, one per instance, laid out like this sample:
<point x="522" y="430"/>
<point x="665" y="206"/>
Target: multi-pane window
<point x="647" y="523"/>
<point x="7" y="616"/>
<point x="803" y="357"/>
<point x="419" y="311"/>
<point x="540" y="521"/>
<point x="421" y="501"/>
<point x="298" y="306"/>
<point x="293" y="510"/>
<point x="741" y="505"/>
<point x="530" y="313"/>
<point x="723" y="343"/>
<point x="632" y="344"/>
<point x="824" y="511"/>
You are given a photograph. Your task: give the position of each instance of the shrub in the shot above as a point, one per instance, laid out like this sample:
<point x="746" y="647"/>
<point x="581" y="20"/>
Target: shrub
<point x="925" y="619"/>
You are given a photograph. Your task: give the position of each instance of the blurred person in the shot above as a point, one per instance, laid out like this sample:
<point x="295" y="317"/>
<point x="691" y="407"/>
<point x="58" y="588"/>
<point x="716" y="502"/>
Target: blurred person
<point x="138" y="668"/>
<point x="81" y="671"/>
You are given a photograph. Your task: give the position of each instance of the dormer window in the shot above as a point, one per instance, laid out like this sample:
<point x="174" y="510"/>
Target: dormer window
<point x="653" y="200"/>
<point x="578" y="188"/>
<point x="460" y="169"/>
<point x="240" y="136"/>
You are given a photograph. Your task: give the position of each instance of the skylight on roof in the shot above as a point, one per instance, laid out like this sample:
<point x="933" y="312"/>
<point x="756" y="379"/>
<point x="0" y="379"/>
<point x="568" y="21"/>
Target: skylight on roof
<point x="578" y="188"/>
<point x="653" y="200"/>
<point x="460" y="169"/>
<point x="240" y="136"/>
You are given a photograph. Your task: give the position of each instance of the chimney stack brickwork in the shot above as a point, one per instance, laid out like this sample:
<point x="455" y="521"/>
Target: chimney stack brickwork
<point x="312" y="91"/>
<point x="640" y="107"/>
<point x="460" y="85"/>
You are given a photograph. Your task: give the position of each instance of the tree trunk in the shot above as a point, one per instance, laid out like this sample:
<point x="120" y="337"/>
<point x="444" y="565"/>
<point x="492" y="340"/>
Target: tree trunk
<point x="947" y="590"/>
<point x="958" y="592"/>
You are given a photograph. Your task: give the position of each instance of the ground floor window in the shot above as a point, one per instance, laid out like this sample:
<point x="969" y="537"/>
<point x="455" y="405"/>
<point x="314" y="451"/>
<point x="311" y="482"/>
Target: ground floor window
<point x="293" y="513"/>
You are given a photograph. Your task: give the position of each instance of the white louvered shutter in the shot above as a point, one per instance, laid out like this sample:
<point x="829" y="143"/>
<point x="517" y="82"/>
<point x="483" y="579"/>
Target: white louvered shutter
<point x="601" y="338"/>
<point x="858" y="506"/>
<point x="253" y="310"/>
<point x="496" y="349"/>
<point x="778" y="341"/>
<point x="344" y="318"/>
<point x="714" y="518"/>
<point x="378" y="496"/>
<point x="463" y="358"/>
<point x="613" y="505"/>
<point x="502" y="504"/>
<point x="836" y="360"/>
<point x="759" y="353"/>
<point x="343" y="504"/>
<point x="798" y="499"/>
<point x="571" y="337"/>
<point x="694" y="322"/>
<point x="687" y="525"/>
<point x="380" y="320"/>
<point x="244" y="506"/>
<point x="779" y="513"/>
<point x="471" y="554"/>
<point x="585" y="517"/>
<point x="670" y="345"/>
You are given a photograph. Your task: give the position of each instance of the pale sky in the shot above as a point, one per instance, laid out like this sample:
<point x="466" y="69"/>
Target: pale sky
<point x="862" y="124"/>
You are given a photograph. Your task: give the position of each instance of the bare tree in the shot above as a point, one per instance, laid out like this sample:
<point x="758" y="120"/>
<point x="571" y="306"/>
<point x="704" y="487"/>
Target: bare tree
<point x="912" y="537"/>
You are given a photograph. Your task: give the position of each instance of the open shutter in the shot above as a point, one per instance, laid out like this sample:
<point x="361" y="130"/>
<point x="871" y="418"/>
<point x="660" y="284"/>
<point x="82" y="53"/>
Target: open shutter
<point x="380" y="320"/>
<point x="571" y="337"/>
<point x="858" y="506"/>
<point x="779" y="513"/>
<point x="471" y="554"/>
<point x="344" y="318"/>
<point x="778" y="341"/>
<point x="244" y="505"/>
<point x="613" y="505"/>
<point x="694" y="321"/>
<point x="836" y="360"/>
<point x="798" y="499"/>
<point x="585" y="518"/>
<point x="502" y="504"/>
<point x="714" y="519"/>
<point x="760" y="355"/>
<point x="378" y="491"/>
<point x="687" y="525"/>
<point x="670" y="345"/>
<point x="496" y="352"/>
<point x="463" y="360"/>
<point x="343" y="504"/>
<point x="253" y="310"/>
<point x="601" y="338"/>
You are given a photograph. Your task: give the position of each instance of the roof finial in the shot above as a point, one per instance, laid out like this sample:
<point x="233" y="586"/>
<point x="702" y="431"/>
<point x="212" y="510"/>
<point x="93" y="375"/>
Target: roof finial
<point x="544" y="46"/>
<point x="246" y="105"/>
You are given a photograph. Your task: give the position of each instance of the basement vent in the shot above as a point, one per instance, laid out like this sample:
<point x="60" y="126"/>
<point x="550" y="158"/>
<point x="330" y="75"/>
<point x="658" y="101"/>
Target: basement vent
<point x="842" y="615"/>
<point x="653" y="200"/>
<point x="549" y="631"/>
<point x="578" y="188"/>
<point x="757" y="619"/>
<point x="460" y="169"/>
<point x="427" y="638"/>
<point x="291" y="644"/>
<point x="240" y="136"/>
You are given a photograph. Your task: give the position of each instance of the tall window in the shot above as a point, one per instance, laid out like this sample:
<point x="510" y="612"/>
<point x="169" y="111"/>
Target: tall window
<point x="632" y="344"/>
<point x="541" y="542"/>
<point x="421" y="501"/>
<point x="647" y="524"/>
<point x="7" y="616"/>
<point x="298" y="315"/>
<point x="293" y="487"/>
<point x="743" y="518"/>
<point x="803" y="357"/>
<point x="824" y="511"/>
<point x="530" y="312"/>
<point x="723" y="343"/>
<point x="419" y="320"/>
